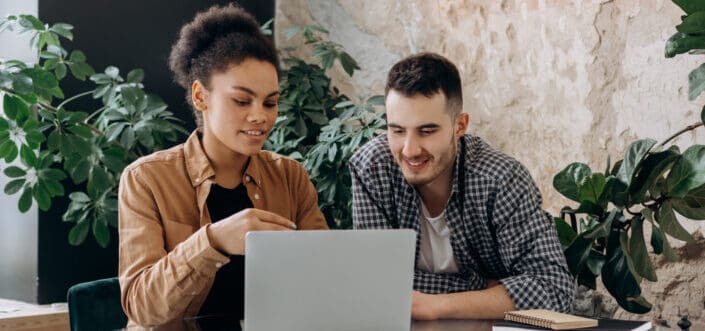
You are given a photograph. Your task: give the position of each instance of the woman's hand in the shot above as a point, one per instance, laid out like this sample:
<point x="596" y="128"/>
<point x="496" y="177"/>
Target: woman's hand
<point x="228" y="235"/>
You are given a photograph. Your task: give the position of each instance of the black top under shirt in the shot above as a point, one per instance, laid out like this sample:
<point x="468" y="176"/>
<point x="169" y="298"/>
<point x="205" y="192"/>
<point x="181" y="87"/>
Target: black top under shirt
<point x="227" y="295"/>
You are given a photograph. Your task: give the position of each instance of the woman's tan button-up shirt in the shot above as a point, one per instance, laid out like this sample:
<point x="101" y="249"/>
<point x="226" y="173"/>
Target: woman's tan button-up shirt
<point x="167" y="264"/>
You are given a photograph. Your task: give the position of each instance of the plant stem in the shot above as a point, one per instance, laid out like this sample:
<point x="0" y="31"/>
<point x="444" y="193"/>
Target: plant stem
<point x="96" y="112"/>
<point x="686" y="129"/>
<point x="630" y="212"/>
<point x="63" y="103"/>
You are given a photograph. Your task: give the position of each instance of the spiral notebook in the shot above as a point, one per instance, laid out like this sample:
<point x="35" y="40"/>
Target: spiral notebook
<point x="549" y="319"/>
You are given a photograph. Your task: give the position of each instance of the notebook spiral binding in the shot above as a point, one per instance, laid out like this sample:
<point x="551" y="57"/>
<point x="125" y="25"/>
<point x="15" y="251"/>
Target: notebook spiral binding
<point x="536" y="321"/>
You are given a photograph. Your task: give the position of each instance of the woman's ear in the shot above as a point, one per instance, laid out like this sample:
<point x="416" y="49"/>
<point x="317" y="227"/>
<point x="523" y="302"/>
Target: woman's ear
<point x="462" y="121"/>
<point x="199" y="96"/>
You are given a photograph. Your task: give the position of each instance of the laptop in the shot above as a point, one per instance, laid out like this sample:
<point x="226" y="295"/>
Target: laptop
<point x="329" y="280"/>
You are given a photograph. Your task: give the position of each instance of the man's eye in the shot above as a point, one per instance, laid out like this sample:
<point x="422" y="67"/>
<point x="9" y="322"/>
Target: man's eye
<point x="427" y="132"/>
<point x="396" y="131"/>
<point x="270" y="104"/>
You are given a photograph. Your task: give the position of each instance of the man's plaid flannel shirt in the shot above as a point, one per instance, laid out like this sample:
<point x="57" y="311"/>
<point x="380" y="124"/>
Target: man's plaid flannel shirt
<point x="503" y="225"/>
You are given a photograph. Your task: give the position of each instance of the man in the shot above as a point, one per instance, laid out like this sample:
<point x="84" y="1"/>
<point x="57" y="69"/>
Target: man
<point x="484" y="244"/>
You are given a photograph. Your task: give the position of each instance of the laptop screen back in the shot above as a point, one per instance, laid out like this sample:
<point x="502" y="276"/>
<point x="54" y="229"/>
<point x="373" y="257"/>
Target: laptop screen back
<point x="329" y="280"/>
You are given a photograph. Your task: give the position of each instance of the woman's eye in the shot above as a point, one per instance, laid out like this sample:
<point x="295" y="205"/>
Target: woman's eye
<point x="241" y="102"/>
<point x="270" y="104"/>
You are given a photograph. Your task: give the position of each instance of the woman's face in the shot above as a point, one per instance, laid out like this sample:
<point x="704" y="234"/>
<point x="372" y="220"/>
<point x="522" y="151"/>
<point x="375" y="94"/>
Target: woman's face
<point x="240" y="107"/>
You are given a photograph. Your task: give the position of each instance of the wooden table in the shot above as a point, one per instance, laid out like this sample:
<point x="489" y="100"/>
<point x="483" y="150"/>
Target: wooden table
<point x="22" y="316"/>
<point x="216" y="323"/>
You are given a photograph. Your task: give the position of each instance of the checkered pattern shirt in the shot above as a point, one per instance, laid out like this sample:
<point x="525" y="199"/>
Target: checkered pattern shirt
<point x="498" y="230"/>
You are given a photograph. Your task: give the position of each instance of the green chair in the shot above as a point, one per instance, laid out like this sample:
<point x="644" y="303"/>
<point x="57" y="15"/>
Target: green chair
<point x="96" y="306"/>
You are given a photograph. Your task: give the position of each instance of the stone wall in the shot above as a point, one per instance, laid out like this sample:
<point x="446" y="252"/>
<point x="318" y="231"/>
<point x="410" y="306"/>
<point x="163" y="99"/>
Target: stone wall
<point x="547" y="81"/>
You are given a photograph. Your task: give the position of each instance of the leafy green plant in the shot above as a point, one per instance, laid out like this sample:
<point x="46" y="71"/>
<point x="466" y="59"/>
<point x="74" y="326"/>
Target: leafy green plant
<point x="650" y="185"/>
<point x="56" y="142"/>
<point x="320" y="126"/>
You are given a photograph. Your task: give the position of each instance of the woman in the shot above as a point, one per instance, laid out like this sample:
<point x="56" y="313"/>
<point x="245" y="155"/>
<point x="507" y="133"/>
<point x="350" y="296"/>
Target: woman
<point x="184" y="212"/>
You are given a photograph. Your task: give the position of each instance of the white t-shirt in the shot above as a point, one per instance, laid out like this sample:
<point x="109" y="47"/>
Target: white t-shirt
<point x="436" y="254"/>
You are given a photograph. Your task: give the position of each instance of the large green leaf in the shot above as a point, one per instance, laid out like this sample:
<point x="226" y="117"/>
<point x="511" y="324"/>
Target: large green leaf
<point x="25" y="201"/>
<point x="619" y="280"/>
<point x="653" y="167"/>
<point x="42" y="79"/>
<point x="135" y="76"/>
<point x="670" y="254"/>
<point x="14" y="107"/>
<point x="688" y="172"/>
<point x="638" y="252"/>
<point x="79" y="232"/>
<point x="632" y="158"/>
<point x="42" y="196"/>
<point x="615" y="191"/>
<point x="14" y="186"/>
<point x="577" y="253"/>
<point x="98" y="181"/>
<point x="569" y="180"/>
<point x="692" y="205"/>
<point x="696" y="82"/>
<point x="14" y="172"/>
<point x="669" y="223"/>
<point x="566" y="234"/>
<point x="100" y="231"/>
<point x="588" y="207"/>
<point x="22" y="84"/>
<point x="602" y="230"/>
<point x="595" y="262"/>
<point x="693" y="23"/>
<point x="690" y="6"/>
<point x="680" y="43"/>
<point x="592" y="187"/>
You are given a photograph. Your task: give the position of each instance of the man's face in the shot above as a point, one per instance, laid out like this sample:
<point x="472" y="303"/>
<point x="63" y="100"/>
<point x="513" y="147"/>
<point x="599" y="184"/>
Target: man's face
<point x="422" y="136"/>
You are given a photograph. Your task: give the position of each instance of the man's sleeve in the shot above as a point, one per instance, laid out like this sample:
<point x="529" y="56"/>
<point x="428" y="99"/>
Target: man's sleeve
<point x="529" y="247"/>
<point x="157" y="286"/>
<point x="368" y="212"/>
<point x="433" y="283"/>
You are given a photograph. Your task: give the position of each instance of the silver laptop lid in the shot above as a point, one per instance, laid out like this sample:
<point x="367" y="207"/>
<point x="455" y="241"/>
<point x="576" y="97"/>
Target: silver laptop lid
<point x="329" y="280"/>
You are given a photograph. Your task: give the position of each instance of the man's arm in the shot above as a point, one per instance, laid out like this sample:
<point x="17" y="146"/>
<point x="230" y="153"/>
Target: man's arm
<point x="367" y="212"/>
<point x="490" y="303"/>
<point x="529" y="247"/>
<point x="530" y="252"/>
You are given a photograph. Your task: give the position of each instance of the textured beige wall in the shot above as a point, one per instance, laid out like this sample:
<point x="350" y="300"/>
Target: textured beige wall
<point x="546" y="81"/>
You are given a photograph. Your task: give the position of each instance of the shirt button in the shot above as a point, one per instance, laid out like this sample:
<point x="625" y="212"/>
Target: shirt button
<point x="256" y="196"/>
<point x="218" y="264"/>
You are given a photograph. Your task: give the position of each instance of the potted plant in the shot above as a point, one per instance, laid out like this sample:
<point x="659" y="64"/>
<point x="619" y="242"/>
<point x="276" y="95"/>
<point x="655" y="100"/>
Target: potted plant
<point x="648" y="187"/>
<point x="60" y="147"/>
<point x="321" y="127"/>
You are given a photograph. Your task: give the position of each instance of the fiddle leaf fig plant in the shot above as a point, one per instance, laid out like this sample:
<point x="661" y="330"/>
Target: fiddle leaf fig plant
<point x="62" y="147"/>
<point x="650" y="186"/>
<point x="320" y="126"/>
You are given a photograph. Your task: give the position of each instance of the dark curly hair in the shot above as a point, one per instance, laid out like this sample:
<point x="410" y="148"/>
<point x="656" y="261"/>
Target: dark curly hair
<point x="217" y="38"/>
<point x="427" y="74"/>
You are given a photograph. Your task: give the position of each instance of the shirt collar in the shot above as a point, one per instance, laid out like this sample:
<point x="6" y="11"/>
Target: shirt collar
<point x="199" y="167"/>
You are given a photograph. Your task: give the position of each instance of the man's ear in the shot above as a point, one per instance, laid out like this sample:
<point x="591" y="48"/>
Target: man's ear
<point x="462" y="121"/>
<point x="199" y="96"/>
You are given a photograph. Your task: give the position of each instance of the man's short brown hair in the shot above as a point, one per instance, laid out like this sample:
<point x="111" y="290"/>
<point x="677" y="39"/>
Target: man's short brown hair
<point x="427" y="74"/>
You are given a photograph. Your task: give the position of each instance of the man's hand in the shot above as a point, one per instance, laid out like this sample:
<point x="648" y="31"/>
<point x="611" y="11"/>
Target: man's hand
<point x="424" y="306"/>
<point x="228" y="235"/>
